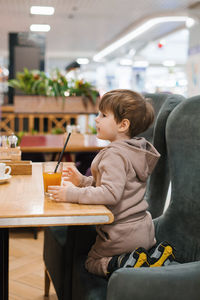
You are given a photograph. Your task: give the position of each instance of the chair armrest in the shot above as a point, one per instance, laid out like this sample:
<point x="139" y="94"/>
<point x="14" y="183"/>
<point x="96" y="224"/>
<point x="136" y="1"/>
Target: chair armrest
<point x="178" y="281"/>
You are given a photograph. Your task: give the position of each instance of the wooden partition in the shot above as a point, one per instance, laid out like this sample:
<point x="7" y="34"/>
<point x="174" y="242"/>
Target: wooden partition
<point x="39" y="122"/>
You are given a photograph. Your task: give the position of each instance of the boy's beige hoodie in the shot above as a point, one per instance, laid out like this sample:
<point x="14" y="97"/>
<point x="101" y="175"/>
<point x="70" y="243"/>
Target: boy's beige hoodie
<point x="119" y="177"/>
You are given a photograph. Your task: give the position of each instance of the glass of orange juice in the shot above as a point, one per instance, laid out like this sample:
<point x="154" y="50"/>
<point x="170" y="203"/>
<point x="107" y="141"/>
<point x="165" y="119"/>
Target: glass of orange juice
<point x="49" y="177"/>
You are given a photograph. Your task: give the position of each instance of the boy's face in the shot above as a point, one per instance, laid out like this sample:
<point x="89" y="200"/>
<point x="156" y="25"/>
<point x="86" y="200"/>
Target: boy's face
<point x="107" y="128"/>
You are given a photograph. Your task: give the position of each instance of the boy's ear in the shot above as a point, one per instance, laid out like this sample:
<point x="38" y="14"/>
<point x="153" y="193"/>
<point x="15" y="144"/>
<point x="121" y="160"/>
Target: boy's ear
<point x="124" y="125"/>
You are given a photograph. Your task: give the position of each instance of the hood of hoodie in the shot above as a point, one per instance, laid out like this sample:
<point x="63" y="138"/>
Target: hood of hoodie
<point x="140" y="152"/>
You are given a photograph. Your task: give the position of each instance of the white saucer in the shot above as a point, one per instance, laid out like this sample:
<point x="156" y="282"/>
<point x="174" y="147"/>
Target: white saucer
<point x="6" y="178"/>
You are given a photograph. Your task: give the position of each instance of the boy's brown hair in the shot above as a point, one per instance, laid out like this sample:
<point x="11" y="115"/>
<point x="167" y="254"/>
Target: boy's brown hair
<point x="127" y="104"/>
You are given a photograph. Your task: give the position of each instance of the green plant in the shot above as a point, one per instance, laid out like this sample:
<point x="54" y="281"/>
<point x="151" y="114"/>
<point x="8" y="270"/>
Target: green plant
<point x="92" y="129"/>
<point x="20" y="134"/>
<point x="36" y="82"/>
<point x="57" y="131"/>
<point x="84" y="89"/>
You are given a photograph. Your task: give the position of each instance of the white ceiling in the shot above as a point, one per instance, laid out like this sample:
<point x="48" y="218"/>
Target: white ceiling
<point x="83" y="27"/>
<point x="175" y="48"/>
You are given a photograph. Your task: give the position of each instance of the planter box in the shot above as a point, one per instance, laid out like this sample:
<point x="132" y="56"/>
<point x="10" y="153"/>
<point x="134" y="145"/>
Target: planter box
<point x="42" y="104"/>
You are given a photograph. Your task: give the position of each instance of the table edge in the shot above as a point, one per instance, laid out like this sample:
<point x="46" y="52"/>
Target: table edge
<point x="53" y="221"/>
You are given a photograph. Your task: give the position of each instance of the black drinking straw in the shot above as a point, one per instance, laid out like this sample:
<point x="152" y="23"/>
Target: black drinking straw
<point x="61" y="154"/>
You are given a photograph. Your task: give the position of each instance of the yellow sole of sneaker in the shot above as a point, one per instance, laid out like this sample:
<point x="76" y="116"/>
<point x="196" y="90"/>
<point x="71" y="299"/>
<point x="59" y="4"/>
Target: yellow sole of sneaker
<point x="141" y="260"/>
<point x="167" y="252"/>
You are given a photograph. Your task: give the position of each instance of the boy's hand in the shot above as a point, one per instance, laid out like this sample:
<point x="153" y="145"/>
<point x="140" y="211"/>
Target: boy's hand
<point x="73" y="175"/>
<point x="59" y="193"/>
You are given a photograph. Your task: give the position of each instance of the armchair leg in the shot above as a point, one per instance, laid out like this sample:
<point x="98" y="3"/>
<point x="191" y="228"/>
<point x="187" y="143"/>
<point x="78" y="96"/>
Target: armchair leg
<point x="46" y="283"/>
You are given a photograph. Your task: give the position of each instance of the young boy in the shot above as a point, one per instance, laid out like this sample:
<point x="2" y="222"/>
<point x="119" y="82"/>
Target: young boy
<point x="119" y="176"/>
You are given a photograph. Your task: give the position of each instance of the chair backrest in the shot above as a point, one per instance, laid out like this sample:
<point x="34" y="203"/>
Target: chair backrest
<point x="180" y="224"/>
<point x="158" y="183"/>
<point x="157" y="100"/>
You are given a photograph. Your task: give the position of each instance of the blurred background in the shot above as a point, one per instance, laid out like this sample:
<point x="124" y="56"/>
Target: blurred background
<point x="147" y="45"/>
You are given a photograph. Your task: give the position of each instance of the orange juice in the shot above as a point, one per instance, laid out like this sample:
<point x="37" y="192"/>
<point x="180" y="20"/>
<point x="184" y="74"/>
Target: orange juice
<point x="51" y="179"/>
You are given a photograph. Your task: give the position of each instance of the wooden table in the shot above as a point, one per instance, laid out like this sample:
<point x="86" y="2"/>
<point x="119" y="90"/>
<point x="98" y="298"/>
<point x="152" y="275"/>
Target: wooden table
<point x="22" y="204"/>
<point x="54" y="143"/>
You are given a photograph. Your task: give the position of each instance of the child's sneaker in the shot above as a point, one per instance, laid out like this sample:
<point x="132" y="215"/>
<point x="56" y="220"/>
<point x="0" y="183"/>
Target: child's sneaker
<point x="163" y="254"/>
<point x="136" y="259"/>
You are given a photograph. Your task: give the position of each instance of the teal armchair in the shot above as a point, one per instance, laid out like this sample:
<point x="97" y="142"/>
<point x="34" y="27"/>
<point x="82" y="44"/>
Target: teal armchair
<point x="66" y="248"/>
<point x="180" y="224"/>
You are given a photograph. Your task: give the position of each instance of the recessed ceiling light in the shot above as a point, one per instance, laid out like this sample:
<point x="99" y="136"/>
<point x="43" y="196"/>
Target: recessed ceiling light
<point x="82" y="61"/>
<point x="190" y="22"/>
<point x="132" y="52"/>
<point x="42" y="10"/>
<point x="126" y="62"/>
<point x="163" y="42"/>
<point x="40" y="27"/>
<point x="169" y="63"/>
<point x="137" y="32"/>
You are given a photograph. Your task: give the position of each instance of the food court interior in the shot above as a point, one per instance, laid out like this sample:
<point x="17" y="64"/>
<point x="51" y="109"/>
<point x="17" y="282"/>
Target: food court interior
<point x="150" y="46"/>
<point x="156" y="57"/>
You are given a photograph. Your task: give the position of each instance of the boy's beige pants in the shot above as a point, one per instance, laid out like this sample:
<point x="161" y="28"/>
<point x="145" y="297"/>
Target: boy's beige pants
<point x="119" y="238"/>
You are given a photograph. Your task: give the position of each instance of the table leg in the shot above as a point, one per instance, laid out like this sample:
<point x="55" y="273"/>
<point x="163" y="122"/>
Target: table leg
<point x="4" y="253"/>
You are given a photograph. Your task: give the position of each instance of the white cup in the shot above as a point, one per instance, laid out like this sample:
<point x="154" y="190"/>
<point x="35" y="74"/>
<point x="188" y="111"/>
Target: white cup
<point x="3" y="170"/>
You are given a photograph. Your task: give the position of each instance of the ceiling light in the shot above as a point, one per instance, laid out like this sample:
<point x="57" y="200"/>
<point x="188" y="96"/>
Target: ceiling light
<point x="163" y="41"/>
<point x="126" y="62"/>
<point x="169" y="63"/>
<point x="82" y="61"/>
<point x="190" y="22"/>
<point x="40" y="27"/>
<point x="140" y="64"/>
<point x="42" y="10"/>
<point x="132" y="52"/>
<point x="136" y="32"/>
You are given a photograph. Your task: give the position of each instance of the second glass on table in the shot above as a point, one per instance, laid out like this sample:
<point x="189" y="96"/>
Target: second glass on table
<point x="49" y="177"/>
